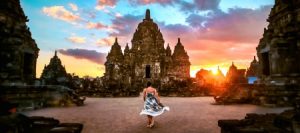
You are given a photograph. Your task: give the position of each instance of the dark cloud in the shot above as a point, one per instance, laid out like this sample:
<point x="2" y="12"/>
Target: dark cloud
<point x="196" y="20"/>
<point x="90" y="55"/>
<point x="125" y="25"/>
<point x="199" y="5"/>
<point x="147" y="2"/>
<point x="172" y="31"/>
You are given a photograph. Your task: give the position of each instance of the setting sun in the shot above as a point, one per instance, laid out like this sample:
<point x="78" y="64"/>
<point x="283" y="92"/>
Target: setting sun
<point x="214" y="71"/>
<point x="195" y="69"/>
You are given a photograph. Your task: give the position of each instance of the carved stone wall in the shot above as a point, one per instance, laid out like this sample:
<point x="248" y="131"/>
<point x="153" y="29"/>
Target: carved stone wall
<point x="279" y="48"/>
<point x="18" y="51"/>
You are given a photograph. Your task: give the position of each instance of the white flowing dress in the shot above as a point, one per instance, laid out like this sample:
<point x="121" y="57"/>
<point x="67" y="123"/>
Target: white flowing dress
<point x="152" y="107"/>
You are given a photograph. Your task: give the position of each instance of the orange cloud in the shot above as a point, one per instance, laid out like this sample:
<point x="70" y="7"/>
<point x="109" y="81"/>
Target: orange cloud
<point x="77" y="39"/>
<point x="73" y="6"/>
<point x="59" y="12"/>
<point x="146" y="2"/>
<point x="92" y="25"/>
<point x="106" y="41"/>
<point x="101" y="4"/>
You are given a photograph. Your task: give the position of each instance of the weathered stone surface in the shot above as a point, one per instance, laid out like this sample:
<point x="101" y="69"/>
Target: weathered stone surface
<point x="285" y="122"/>
<point x="18" y="51"/>
<point x="278" y="53"/>
<point x="275" y="95"/>
<point x="278" y="49"/>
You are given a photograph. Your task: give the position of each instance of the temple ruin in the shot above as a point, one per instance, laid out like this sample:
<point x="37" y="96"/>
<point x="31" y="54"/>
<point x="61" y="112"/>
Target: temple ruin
<point x="278" y="49"/>
<point x="147" y="59"/>
<point x="279" y="52"/>
<point x="18" y="51"/>
<point x="55" y="73"/>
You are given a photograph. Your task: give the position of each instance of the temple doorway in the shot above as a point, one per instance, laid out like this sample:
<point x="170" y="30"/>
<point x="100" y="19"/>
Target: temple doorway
<point x="27" y="66"/>
<point x="265" y="63"/>
<point x="148" y="71"/>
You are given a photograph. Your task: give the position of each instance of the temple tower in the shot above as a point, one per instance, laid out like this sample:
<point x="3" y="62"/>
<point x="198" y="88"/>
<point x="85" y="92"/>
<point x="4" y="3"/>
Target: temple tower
<point x="180" y="62"/>
<point x="54" y="73"/>
<point x="147" y="59"/>
<point x="114" y="62"/>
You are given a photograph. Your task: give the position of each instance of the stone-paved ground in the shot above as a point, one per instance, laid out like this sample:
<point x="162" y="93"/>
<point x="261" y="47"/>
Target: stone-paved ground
<point x="187" y="115"/>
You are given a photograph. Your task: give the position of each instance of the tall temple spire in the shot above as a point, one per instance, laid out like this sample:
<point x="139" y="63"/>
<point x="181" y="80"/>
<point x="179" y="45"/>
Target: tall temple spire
<point x="55" y="54"/>
<point x="126" y="48"/>
<point x="178" y="39"/>
<point x="116" y="40"/>
<point x="147" y="16"/>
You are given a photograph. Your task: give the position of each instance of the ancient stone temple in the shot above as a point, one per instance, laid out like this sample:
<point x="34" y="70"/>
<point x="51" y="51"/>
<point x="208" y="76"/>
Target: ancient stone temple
<point x="279" y="48"/>
<point x="235" y="75"/>
<point x="54" y="73"/>
<point x="252" y="71"/>
<point x="18" y="51"/>
<point x="279" y="54"/>
<point x="147" y="59"/>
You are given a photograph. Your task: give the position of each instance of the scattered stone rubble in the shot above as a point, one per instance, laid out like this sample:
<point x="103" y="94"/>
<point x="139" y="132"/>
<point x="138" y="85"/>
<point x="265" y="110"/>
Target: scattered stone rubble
<point x="18" y="123"/>
<point x="235" y="94"/>
<point x="285" y="122"/>
<point x="34" y="97"/>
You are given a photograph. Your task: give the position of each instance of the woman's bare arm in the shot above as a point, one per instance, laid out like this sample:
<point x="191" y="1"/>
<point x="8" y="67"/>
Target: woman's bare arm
<point x="157" y="96"/>
<point x="144" y="94"/>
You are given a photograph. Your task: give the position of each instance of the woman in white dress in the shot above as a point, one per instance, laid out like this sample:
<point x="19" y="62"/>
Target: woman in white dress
<point x="152" y="105"/>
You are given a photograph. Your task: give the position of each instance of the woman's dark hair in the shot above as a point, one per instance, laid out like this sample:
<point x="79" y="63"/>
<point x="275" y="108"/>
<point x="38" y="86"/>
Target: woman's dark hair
<point x="148" y="83"/>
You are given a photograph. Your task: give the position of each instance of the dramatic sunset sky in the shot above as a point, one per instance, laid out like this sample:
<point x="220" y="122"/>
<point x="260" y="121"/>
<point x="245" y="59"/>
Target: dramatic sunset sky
<point x="214" y="32"/>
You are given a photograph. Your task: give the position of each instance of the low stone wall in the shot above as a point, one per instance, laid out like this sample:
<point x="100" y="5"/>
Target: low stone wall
<point x="276" y="95"/>
<point x="260" y="94"/>
<point x="32" y="97"/>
